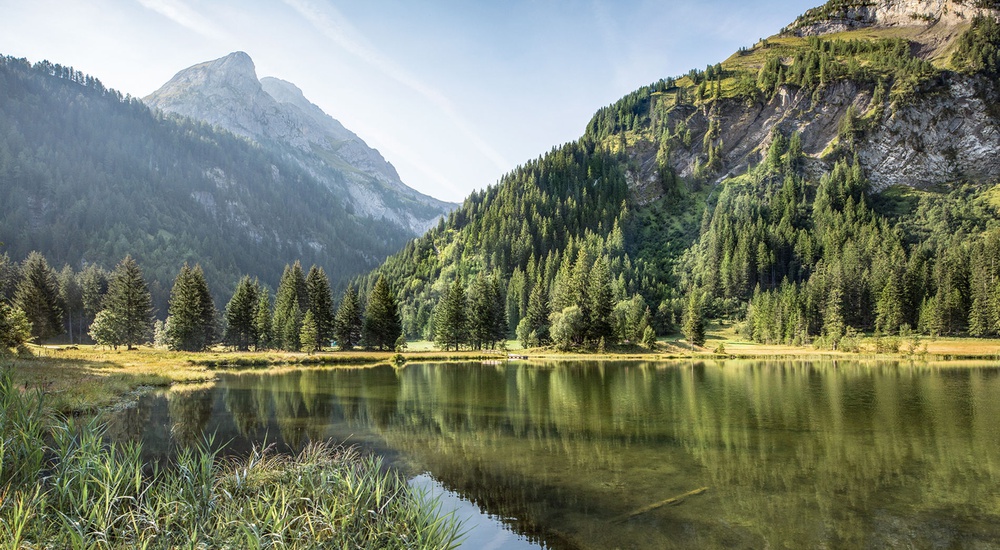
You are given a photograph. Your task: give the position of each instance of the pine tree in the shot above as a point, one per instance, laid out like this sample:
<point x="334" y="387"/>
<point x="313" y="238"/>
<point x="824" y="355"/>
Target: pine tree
<point x="93" y="286"/>
<point x="191" y="313"/>
<point x="381" y="327"/>
<point x="347" y="325"/>
<point x="309" y="336"/>
<point x="320" y="303"/>
<point x="602" y="302"/>
<point x="71" y="298"/>
<point x="292" y="295"/>
<point x="10" y="274"/>
<point x="889" y="309"/>
<point x="694" y="323"/>
<point x="263" y="322"/>
<point x="537" y="317"/>
<point x="451" y="317"/>
<point x="129" y="301"/>
<point x="37" y="295"/>
<point x="241" y="328"/>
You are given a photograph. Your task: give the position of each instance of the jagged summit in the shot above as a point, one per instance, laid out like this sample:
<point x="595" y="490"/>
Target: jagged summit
<point x="842" y="15"/>
<point x="226" y="92"/>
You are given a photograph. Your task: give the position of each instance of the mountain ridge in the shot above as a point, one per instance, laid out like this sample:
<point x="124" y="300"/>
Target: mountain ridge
<point x="226" y="92"/>
<point x="810" y="184"/>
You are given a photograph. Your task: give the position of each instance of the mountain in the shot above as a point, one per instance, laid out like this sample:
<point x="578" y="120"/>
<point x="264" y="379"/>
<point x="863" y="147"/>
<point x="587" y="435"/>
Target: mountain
<point x="88" y="175"/>
<point x="226" y="93"/>
<point x="836" y="177"/>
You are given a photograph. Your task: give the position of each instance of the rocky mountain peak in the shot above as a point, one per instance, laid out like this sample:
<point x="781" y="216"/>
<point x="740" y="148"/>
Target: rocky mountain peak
<point x="842" y="15"/>
<point x="226" y="93"/>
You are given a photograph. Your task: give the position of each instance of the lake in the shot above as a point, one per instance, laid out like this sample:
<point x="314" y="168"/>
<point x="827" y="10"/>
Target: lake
<point x="601" y="454"/>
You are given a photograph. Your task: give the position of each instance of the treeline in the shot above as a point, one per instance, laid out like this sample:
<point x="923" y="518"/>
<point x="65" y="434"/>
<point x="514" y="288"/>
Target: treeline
<point x="38" y="303"/>
<point x="814" y="262"/>
<point x="88" y="176"/>
<point x="547" y="222"/>
<point x="978" y="49"/>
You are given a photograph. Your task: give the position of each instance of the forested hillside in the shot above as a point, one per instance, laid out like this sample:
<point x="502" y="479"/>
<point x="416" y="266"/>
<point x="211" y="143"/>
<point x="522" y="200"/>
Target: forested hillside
<point x="810" y="187"/>
<point x="88" y="176"/>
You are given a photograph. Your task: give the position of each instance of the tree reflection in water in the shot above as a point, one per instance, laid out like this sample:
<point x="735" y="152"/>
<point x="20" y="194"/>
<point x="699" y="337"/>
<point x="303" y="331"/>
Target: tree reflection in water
<point x="796" y="454"/>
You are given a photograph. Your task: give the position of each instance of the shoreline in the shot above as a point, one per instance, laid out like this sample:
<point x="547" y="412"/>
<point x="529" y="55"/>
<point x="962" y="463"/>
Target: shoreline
<point x="80" y="380"/>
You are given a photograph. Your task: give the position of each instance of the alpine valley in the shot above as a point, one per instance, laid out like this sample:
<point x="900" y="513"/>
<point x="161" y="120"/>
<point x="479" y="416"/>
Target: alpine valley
<point x="215" y="168"/>
<point x="836" y="177"/>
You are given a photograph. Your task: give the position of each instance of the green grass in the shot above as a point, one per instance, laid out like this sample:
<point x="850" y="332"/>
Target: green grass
<point x="63" y="486"/>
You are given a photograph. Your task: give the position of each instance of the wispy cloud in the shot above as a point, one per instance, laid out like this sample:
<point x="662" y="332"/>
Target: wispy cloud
<point x="182" y="14"/>
<point x="338" y="29"/>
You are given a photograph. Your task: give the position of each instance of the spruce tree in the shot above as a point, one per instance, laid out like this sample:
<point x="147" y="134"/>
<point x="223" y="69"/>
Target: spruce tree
<point x="347" y="325"/>
<point x="537" y="316"/>
<point x="889" y="308"/>
<point x="320" y="303"/>
<point x="290" y="300"/>
<point x="128" y="300"/>
<point x="37" y="295"/>
<point x="480" y="312"/>
<point x="309" y="335"/>
<point x="71" y="298"/>
<point x="382" y="326"/>
<point x="93" y="287"/>
<point x="694" y="323"/>
<point x="263" y="322"/>
<point x="191" y="312"/>
<point x="601" y="300"/>
<point x="241" y="327"/>
<point x="452" y="318"/>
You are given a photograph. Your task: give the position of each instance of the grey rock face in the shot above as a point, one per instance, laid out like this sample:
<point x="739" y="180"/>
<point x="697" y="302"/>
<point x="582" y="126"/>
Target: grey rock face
<point x="227" y="93"/>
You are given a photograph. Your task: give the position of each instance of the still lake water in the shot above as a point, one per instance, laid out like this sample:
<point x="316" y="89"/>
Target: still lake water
<point x="792" y="454"/>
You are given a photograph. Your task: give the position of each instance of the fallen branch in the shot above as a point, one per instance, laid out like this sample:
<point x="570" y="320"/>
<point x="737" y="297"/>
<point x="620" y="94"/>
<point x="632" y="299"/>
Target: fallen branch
<point x="673" y="501"/>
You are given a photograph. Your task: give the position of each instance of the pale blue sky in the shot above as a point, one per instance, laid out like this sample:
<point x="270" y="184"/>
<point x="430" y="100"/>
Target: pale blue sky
<point x="453" y="93"/>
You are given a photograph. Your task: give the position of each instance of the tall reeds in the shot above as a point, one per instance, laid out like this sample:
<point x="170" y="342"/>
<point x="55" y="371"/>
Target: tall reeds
<point x="63" y="486"/>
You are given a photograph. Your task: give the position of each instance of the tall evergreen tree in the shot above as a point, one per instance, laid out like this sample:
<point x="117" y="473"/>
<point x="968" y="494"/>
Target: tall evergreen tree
<point x="71" y="298"/>
<point x="382" y="326"/>
<point x="191" y="325"/>
<point x="889" y="308"/>
<point x="452" y="317"/>
<point x="347" y="325"/>
<point x="241" y="327"/>
<point x="537" y="317"/>
<point x="694" y="322"/>
<point x="601" y="299"/>
<point x="93" y="287"/>
<point x="309" y="336"/>
<point x="290" y="300"/>
<point x="263" y="322"/>
<point x="320" y="303"/>
<point x="129" y="301"/>
<point x="10" y="274"/>
<point x="37" y="296"/>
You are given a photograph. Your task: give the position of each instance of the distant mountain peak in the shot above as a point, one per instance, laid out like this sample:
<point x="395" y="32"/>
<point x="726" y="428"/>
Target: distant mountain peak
<point x="226" y="92"/>
<point x="841" y="15"/>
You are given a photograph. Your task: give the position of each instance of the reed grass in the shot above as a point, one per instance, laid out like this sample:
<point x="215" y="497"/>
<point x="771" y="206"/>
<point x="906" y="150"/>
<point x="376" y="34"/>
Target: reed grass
<point x="62" y="485"/>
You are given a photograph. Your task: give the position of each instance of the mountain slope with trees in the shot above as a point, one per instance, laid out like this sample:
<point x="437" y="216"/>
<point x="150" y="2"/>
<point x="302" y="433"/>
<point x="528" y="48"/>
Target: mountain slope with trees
<point x="813" y="185"/>
<point x="88" y="176"/>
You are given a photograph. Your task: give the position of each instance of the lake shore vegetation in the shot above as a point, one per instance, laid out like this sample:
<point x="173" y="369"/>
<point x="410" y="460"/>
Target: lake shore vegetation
<point x="63" y="485"/>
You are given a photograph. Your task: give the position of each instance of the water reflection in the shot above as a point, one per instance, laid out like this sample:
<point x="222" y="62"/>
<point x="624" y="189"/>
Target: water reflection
<point x="793" y="454"/>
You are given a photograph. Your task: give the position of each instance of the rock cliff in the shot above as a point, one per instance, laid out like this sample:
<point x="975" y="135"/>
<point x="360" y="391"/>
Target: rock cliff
<point x="227" y="93"/>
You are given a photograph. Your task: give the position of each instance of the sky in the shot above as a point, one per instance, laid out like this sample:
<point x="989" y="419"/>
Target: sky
<point x="454" y="93"/>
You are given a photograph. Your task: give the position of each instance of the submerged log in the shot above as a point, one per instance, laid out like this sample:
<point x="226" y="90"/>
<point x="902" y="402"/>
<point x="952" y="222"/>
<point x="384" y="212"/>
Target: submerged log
<point x="672" y="501"/>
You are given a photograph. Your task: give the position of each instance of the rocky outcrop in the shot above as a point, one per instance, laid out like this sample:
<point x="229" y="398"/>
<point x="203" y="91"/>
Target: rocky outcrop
<point x="227" y="93"/>
<point x="841" y="15"/>
<point x="950" y="132"/>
